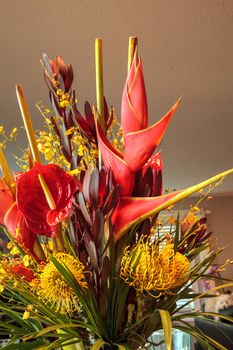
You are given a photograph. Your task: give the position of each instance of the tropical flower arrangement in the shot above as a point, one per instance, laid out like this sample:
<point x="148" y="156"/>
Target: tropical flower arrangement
<point x="95" y="255"/>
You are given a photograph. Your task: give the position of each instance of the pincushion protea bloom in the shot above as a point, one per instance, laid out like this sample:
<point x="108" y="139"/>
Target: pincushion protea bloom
<point x="32" y="202"/>
<point x="148" y="269"/>
<point x="52" y="287"/>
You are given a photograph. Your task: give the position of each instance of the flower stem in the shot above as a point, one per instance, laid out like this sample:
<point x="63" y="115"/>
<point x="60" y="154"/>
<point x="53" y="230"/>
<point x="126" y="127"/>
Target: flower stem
<point x="6" y="171"/>
<point x="133" y="43"/>
<point x="28" y="123"/>
<point x="99" y="82"/>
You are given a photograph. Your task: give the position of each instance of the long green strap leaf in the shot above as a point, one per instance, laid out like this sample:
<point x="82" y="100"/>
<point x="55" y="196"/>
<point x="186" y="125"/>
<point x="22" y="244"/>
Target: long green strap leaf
<point x="98" y="344"/>
<point x="77" y="346"/>
<point x="167" y="327"/>
<point x="120" y="347"/>
<point x="37" y="344"/>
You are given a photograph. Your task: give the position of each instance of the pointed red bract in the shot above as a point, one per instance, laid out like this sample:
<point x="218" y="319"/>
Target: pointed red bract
<point x="140" y="145"/>
<point x="131" y="210"/>
<point x="6" y="200"/>
<point x="113" y="160"/>
<point x="134" y="111"/>
<point x="32" y="202"/>
<point x="16" y="226"/>
<point x="23" y="271"/>
<point x="14" y="220"/>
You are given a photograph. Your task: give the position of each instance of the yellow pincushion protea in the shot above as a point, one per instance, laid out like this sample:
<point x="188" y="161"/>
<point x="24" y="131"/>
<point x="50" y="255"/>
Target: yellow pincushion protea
<point x="52" y="288"/>
<point x="174" y="266"/>
<point x="147" y="269"/>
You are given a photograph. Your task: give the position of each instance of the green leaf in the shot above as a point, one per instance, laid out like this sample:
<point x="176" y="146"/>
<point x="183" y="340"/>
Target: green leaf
<point x="167" y="327"/>
<point x="177" y="234"/>
<point x="50" y="329"/>
<point x="26" y="346"/>
<point x="98" y="344"/>
<point x="120" y="347"/>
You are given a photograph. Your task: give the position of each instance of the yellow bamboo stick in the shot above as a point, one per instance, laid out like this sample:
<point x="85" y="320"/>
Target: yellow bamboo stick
<point x="6" y="171"/>
<point x="48" y="194"/>
<point x="99" y="81"/>
<point x="27" y="123"/>
<point x="133" y="43"/>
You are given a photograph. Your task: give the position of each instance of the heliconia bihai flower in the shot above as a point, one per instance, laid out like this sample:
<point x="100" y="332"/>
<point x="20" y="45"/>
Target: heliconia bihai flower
<point x="140" y="140"/>
<point x="131" y="210"/>
<point x="42" y="214"/>
<point x="134" y="109"/>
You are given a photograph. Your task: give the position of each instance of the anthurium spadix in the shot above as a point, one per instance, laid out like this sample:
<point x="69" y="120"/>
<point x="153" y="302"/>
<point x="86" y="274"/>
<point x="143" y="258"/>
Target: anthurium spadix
<point x="133" y="210"/>
<point x="139" y="139"/>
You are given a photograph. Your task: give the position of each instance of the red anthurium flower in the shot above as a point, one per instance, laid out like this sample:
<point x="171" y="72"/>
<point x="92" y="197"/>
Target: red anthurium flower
<point x="32" y="202"/>
<point x="16" y="225"/>
<point x="6" y="200"/>
<point x="13" y="219"/>
<point x="140" y="140"/>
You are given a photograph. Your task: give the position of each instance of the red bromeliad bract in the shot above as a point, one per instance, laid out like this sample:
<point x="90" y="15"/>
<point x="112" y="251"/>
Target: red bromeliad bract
<point x="32" y="202"/>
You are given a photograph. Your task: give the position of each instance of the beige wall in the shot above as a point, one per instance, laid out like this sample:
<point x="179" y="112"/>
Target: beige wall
<point x="220" y="221"/>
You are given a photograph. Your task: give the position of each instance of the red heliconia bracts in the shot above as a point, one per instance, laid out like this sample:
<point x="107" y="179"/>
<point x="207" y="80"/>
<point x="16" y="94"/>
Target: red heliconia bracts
<point x="131" y="210"/>
<point x="136" y="170"/>
<point x="134" y="110"/>
<point x="139" y="139"/>
<point x="32" y="202"/>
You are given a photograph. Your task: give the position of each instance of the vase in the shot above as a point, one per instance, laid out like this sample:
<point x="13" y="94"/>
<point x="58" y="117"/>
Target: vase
<point x="180" y="340"/>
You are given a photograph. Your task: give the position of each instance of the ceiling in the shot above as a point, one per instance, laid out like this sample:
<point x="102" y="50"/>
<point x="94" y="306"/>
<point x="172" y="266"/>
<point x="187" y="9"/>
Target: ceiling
<point x="186" y="47"/>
